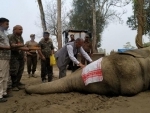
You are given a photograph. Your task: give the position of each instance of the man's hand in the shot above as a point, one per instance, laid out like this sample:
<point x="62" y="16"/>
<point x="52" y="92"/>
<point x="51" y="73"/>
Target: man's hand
<point x="52" y="52"/>
<point x="28" y="53"/>
<point x="17" y="45"/>
<point x="81" y="65"/>
<point x="23" y="48"/>
<point x="7" y="47"/>
<point x="25" y="58"/>
<point x="20" y="45"/>
<point x="79" y="54"/>
<point x="43" y="58"/>
<point x="91" y="54"/>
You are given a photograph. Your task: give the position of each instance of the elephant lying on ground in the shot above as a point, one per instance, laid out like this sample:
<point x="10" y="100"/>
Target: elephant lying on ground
<point x="125" y="73"/>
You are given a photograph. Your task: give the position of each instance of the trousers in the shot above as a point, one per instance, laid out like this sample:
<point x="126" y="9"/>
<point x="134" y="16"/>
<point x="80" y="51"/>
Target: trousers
<point x="31" y="63"/>
<point x="16" y="71"/>
<point x="4" y="74"/>
<point x="46" y="69"/>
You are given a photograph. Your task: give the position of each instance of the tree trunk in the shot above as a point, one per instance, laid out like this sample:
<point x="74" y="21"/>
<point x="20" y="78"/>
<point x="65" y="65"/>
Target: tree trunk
<point x="59" y="35"/>
<point x="94" y="28"/>
<point x="140" y="19"/>
<point x="42" y="15"/>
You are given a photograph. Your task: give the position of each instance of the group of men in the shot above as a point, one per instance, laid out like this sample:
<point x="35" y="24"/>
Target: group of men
<point x="46" y="49"/>
<point x="66" y="56"/>
<point x="14" y="53"/>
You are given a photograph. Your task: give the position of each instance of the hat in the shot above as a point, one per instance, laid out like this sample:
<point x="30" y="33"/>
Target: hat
<point x="87" y="36"/>
<point x="32" y="35"/>
<point x="71" y="34"/>
<point x="46" y="32"/>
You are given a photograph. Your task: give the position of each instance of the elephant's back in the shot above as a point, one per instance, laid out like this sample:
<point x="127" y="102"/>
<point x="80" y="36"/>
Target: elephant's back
<point x="122" y="73"/>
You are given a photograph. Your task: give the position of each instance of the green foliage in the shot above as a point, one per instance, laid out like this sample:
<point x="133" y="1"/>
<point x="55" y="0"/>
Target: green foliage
<point x="128" y="46"/>
<point x="148" y="19"/>
<point x="146" y="44"/>
<point x="82" y="17"/>
<point x="132" y="20"/>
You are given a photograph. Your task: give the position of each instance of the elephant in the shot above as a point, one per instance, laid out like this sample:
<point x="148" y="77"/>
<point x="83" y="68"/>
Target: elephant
<point x="124" y="73"/>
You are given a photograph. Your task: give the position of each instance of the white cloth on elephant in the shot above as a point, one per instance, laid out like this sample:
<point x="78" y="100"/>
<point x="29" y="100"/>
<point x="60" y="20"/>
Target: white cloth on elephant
<point x="92" y="72"/>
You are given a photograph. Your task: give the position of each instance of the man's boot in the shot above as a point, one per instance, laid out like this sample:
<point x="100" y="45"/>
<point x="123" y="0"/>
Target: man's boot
<point x="50" y="76"/>
<point x="9" y="93"/>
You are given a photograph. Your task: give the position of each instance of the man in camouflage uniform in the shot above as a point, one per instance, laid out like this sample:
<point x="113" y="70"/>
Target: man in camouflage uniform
<point x="4" y="59"/>
<point x="17" y="58"/>
<point x="45" y="52"/>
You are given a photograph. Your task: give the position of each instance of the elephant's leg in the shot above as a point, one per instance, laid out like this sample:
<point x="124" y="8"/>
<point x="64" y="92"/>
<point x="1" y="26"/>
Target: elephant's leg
<point x="131" y="80"/>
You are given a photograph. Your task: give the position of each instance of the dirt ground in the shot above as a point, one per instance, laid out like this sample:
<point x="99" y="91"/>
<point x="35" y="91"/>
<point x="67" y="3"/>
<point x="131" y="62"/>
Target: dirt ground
<point x="72" y="102"/>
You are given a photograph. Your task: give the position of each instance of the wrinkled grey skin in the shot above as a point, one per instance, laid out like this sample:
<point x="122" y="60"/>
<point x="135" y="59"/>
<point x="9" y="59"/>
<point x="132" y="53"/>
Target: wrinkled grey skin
<point x="123" y="74"/>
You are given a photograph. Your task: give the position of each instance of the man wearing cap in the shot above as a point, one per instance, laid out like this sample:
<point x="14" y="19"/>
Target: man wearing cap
<point x="87" y="46"/>
<point x="31" y="56"/>
<point x="47" y="49"/>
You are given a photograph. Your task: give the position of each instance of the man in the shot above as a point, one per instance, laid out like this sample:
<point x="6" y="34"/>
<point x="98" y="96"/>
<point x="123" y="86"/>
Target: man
<point x="87" y="46"/>
<point x="31" y="56"/>
<point x="18" y="58"/>
<point x="4" y="58"/>
<point x="71" y="65"/>
<point x="72" y="38"/>
<point x="66" y="53"/>
<point x="47" y="49"/>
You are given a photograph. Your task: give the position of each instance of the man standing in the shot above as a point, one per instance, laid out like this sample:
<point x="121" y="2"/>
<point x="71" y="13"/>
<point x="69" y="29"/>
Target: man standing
<point x="87" y="46"/>
<point x="4" y="58"/>
<point x="71" y="65"/>
<point x="67" y="52"/>
<point x="31" y="56"/>
<point x="47" y="49"/>
<point x="72" y="38"/>
<point x="18" y="58"/>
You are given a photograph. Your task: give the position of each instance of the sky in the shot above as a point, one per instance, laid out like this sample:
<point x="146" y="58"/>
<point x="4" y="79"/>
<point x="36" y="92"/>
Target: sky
<point x="26" y="13"/>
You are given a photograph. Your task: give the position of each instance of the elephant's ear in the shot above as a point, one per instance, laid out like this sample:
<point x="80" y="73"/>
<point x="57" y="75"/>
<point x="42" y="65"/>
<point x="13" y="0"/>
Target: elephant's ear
<point x="140" y="53"/>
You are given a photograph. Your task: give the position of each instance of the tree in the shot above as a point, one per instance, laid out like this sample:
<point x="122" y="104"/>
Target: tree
<point x="42" y="15"/>
<point x="51" y="19"/>
<point x="128" y="46"/>
<point x="140" y="21"/>
<point x="81" y="17"/>
<point x="59" y="23"/>
<point x="94" y="27"/>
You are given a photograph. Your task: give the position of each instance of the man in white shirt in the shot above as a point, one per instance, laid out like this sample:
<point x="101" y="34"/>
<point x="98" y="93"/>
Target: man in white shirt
<point x="4" y="58"/>
<point x="67" y="52"/>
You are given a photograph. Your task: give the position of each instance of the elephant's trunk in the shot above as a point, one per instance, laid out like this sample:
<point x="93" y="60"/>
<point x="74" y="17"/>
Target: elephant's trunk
<point x="63" y="85"/>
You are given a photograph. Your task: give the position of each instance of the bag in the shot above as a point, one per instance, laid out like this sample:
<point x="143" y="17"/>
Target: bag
<point x="52" y="60"/>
